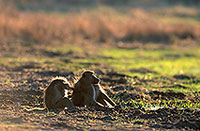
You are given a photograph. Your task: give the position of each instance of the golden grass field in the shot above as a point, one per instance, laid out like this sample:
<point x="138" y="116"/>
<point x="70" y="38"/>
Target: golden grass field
<point x="101" y="25"/>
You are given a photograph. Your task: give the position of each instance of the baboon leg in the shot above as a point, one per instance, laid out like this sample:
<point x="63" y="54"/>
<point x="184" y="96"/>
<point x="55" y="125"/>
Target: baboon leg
<point x="101" y="100"/>
<point x="64" y="102"/>
<point x="107" y="98"/>
<point x="98" y="105"/>
<point x="88" y="100"/>
<point x="68" y="103"/>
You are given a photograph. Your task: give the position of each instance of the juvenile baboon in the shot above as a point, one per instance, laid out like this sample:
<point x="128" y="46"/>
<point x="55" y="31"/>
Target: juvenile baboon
<point x="54" y="94"/>
<point x="88" y="92"/>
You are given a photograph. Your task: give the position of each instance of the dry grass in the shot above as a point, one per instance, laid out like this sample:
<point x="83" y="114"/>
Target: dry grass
<point x="100" y="26"/>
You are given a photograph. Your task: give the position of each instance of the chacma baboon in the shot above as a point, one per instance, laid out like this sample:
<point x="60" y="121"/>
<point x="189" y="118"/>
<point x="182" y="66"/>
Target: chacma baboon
<point x="54" y="94"/>
<point x="82" y="92"/>
<point x="88" y="92"/>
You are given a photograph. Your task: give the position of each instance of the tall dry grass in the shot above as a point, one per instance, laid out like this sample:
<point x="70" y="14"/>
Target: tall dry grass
<point x="100" y="26"/>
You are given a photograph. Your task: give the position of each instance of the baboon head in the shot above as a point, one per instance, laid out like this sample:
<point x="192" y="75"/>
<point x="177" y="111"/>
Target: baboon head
<point x="61" y="82"/>
<point x="88" y="77"/>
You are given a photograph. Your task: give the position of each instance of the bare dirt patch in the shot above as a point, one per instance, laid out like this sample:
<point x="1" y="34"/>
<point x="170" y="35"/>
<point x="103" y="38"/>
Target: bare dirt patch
<point x="16" y="101"/>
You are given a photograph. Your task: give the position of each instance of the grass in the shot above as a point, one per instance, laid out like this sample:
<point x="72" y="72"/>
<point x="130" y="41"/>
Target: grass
<point x="147" y="64"/>
<point x="99" y="25"/>
<point x="162" y="62"/>
<point x="150" y="65"/>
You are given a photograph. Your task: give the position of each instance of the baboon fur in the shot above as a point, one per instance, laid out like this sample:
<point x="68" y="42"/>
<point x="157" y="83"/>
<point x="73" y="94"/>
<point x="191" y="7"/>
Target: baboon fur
<point x="54" y="94"/>
<point x="88" y="92"/>
<point x="101" y="96"/>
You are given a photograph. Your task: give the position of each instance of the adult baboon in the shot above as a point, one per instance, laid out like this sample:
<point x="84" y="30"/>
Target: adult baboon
<point x="82" y="92"/>
<point x="54" y="94"/>
<point x="88" y="92"/>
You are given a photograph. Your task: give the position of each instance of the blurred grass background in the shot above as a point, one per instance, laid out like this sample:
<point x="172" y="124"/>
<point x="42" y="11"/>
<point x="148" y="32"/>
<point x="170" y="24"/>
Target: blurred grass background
<point x="108" y="22"/>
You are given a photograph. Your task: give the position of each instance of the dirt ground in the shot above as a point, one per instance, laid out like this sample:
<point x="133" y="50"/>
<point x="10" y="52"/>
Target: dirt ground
<point x="21" y="90"/>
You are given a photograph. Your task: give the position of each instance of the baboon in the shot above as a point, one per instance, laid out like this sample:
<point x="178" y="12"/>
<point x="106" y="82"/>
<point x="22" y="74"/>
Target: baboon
<point x="54" y="94"/>
<point x="82" y="92"/>
<point x="88" y="92"/>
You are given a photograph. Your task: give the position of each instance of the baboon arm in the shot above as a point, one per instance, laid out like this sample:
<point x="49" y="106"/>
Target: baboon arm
<point x="77" y="87"/>
<point x="101" y="100"/>
<point x="78" y="99"/>
<point x="107" y="98"/>
<point x="63" y="102"/>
